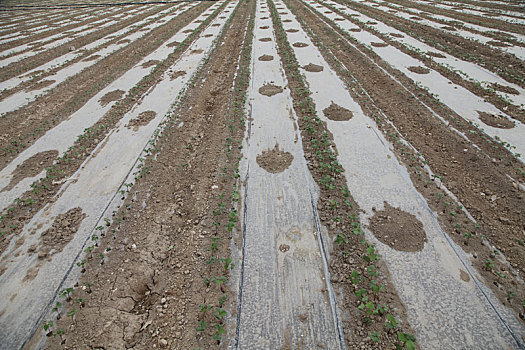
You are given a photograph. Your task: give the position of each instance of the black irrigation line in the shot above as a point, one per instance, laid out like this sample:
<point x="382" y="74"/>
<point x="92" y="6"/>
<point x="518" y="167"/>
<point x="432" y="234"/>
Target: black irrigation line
<point x="79" y="5"/>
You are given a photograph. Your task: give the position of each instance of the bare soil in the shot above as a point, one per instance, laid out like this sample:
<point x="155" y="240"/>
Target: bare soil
<point x="398" y="229"/>
<point x="269" y="89"/>
<point x="274" y="160"/>
<point x="337" y="113"/>
<point x="31" y="167"/>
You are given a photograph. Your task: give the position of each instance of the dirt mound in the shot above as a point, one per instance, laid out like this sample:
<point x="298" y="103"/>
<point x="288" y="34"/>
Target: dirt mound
<point x="375" y="44"/>
<point x="177" y="74"/>
<point x="143" y="119"/>
<point x="337" y="113"/>
<point x="448" y="28"/>
<point x="31" y="167"/>
<point x="173" y="43"/>
<point x="270" y="90"/>
<point x="265" y="39"/>
<point x="61" y="232"/>
<point x="110" y="97"/>
<point x="274" y="161"/>
<point x="265" y="58"/>
<point x="264" y="27"/>
<point x="310" y="67"/>
<point x="395" y="35"/>
<point x="398" y="229"/>
<point x="292" y="30"/>
<point x="498" y="43"/>
<point x="419" y="70"/>
<point x="496" y="120"/>
<point x="435" y="54"/>
<point x="150" y="63"/>
<point x="355" y="30"/>
<point x="300" y="44"/>
<point x="505" y="89"/>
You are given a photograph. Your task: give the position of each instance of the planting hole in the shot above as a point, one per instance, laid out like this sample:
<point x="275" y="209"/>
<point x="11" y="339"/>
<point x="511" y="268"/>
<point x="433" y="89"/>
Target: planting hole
<point x="274" y="161"/>
<point x="398" y="229"/>
<point x="337" y="113"/>
<point x="496" y="121"/>
<point x="270" y="90"/>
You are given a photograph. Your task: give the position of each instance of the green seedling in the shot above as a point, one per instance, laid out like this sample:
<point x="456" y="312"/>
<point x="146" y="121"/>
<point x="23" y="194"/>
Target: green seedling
<point x="408" y="341"/>
<point x="375" y="336"/>
<point x="391" y="321"/>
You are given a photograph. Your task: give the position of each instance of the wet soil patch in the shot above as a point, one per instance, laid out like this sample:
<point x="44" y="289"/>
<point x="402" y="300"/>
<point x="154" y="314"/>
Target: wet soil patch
<point x="177" y="74"/>
<point x="310" y="67"/>
<point x="300" y="44"/>
<point x="265" y="58"/>
<point x="142" y="119"/>
<point x="40" y="85"/>
<point x="337" y="113"/>
<point x="496" y="120"/>
<point x="270" y="89"/>
<point x="265" y="39"/>
<point x="398" y="229"/>
<point x="505" y="89"/>
<point x="419" y="70"/>
<point x="110" y="97"/>
<point x="61" y="232"/>
<point x="31" y="167"/>
<point x="275" y="160"/>
<point x="92" y="58"/>
<point x="376" y="44"/>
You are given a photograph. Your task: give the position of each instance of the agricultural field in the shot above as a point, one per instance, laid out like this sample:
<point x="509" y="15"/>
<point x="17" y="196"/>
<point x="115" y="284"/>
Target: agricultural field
<point x="262" y="174"/>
